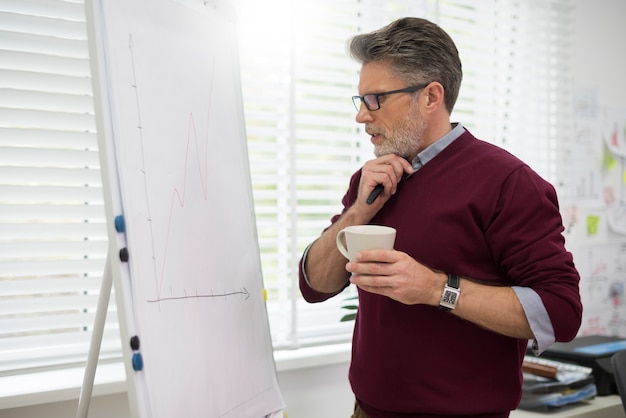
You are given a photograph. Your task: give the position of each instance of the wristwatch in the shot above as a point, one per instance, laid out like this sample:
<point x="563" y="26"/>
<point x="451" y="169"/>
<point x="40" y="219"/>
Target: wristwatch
<point x="450" y="294"/>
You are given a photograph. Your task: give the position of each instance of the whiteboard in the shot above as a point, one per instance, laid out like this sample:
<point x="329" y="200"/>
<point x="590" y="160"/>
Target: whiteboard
<point x="176" y="167"/>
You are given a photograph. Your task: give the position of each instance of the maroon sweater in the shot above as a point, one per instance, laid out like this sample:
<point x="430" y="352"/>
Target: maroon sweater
<point x="477" y="211"/>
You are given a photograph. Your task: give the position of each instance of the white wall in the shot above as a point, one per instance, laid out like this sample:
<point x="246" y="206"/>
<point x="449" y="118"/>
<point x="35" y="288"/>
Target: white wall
<point x="317" y="392"/>
<point x="110" y="406"/>
<point x="311" y="392"/>
<point x="323" y="391"/>
<point x="599" y="53"/>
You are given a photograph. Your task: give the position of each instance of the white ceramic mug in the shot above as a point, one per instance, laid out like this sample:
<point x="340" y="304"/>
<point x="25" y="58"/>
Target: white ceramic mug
<point x="365" y="237"/>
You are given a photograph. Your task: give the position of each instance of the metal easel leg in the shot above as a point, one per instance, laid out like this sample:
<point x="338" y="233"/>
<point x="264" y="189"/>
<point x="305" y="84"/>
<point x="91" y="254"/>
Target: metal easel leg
<point x="96" y="341"/>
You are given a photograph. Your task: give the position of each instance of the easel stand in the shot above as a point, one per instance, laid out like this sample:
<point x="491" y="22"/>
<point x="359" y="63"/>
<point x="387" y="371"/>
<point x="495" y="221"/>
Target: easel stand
<point x="96" y="341"/>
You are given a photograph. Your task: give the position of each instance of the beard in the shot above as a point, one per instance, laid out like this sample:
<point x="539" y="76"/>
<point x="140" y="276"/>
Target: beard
<point x="404" y="138"/>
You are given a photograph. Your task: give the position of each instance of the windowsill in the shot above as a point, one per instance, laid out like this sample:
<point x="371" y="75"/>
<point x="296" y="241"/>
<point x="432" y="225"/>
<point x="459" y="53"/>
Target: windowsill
<point x="304" y="358"/>
<point x="58" y="385"/>
<point x="65" y="385"/>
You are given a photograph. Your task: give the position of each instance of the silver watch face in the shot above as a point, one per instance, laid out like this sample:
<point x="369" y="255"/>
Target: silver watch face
<point x="449" y="297"/>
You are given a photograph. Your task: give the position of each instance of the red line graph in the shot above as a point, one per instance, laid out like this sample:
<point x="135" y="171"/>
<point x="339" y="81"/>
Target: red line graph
<point x="179" y="194"/>
<point x="179" y="198"/>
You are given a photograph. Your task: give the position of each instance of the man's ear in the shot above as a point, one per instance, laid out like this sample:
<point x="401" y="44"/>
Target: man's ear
<point x="434" y="96"/>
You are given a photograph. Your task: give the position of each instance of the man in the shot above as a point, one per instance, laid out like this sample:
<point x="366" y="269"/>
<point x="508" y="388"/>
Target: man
<point x="479" y="266"/>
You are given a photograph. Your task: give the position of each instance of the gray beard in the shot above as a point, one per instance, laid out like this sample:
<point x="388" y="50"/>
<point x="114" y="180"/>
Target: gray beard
<point x="405" y="140"/>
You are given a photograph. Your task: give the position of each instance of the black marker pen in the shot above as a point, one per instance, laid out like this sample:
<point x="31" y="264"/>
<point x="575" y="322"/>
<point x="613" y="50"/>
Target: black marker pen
<point x="374" y="195"/>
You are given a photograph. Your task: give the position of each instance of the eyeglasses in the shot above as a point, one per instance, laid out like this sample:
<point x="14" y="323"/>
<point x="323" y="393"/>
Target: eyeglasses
<point x="371" y="101"/>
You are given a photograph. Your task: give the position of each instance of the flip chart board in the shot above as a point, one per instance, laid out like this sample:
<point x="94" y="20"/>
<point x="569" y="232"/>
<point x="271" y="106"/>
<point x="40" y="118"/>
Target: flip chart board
<point x="186" y="262"/>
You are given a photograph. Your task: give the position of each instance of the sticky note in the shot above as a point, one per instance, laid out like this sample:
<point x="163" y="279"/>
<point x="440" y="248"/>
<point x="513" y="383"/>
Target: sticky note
<point x="592" y="224"/>
<point x="608" y="160"/>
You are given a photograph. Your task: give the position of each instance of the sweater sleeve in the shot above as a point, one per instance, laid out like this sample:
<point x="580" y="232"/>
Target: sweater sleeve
<point x="308" y="293"/>
<point x="526" y="233"/>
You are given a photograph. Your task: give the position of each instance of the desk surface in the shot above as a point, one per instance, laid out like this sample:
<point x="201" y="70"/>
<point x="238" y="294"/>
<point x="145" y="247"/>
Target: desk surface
<point x="599" y="407"/>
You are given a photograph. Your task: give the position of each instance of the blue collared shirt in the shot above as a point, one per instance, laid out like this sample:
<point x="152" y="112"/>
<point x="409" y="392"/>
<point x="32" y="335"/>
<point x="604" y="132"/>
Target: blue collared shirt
<point x="435" y="148"/>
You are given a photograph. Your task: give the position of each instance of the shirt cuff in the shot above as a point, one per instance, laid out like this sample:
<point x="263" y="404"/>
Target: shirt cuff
<point x="538" y="318"/>
<point x="303" y="263"/>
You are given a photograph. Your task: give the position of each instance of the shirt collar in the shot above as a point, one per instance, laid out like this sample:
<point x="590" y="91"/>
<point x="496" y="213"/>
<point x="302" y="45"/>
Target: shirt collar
<point x="436" y="147"/>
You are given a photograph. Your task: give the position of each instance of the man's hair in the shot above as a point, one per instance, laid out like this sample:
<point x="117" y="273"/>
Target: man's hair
<point x="418" y="50"/>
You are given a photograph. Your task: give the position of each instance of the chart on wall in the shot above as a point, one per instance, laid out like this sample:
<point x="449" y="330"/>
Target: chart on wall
<point x="593" y="198"/>
<point x="195" y="302"/>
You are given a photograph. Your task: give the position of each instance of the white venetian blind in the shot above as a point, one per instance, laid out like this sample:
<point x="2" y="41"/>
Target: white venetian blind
<point x="516" y="86"/>
<point x="52" y="227"/>
<point x="303" y="145"/>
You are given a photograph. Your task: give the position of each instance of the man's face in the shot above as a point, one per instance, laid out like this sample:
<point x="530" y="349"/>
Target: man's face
<point x="397" y="127"/>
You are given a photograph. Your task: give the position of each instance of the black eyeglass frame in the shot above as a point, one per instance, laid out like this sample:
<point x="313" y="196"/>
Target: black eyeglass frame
<point x="357" y="100"/>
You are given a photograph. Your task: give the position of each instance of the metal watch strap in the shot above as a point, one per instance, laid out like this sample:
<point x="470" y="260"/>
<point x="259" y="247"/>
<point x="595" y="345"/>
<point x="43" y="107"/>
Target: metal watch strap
<point x="450" y="293"/>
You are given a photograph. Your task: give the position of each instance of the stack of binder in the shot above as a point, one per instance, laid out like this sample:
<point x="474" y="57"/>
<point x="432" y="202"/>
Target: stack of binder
<point x="551" y="384"/>
<point x="593" y="351"/>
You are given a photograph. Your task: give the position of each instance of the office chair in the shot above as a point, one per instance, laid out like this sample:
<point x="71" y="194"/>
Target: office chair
<point x="618" y="361"/>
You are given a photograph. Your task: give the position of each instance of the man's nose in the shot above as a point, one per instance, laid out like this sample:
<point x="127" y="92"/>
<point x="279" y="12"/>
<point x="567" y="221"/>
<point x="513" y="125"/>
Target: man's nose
<point x="363" y="115"/>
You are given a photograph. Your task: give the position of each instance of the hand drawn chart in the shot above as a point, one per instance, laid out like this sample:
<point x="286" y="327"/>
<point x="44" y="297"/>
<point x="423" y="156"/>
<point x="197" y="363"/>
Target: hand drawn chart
<point x="593" y="198"/>
<point x="602" y="289"/>
<point x="194" y="267"/>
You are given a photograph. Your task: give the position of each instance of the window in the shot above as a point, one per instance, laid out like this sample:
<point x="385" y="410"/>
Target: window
<point x="52" y="227"/>
<point x="304" y="143"/>
<point x="303" y="146"/>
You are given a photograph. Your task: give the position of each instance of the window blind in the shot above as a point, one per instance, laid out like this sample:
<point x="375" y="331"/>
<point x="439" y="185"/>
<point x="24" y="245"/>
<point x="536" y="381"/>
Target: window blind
<point x="52" y="226"/>
<point x="516" y="87"/>
<point x="303" y="147"/>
